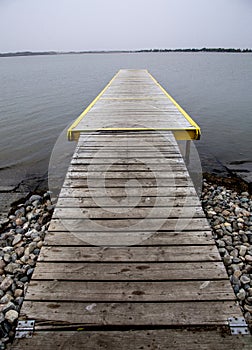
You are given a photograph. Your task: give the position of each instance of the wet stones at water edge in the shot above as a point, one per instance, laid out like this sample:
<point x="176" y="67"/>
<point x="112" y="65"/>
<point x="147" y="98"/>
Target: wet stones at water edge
<point x="21" y="237"/>
<point x="229" y="214"/>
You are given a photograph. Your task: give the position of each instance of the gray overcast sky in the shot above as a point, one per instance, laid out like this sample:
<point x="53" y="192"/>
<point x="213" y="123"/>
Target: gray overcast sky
<point x="63" y="25"/>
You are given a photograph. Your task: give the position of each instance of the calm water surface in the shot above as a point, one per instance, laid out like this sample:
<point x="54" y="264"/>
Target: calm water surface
<point x="41" y="95"/>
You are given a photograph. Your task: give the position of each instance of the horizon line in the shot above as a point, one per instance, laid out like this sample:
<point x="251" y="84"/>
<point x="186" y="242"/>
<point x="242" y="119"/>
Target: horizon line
<point x="55" y="52"/>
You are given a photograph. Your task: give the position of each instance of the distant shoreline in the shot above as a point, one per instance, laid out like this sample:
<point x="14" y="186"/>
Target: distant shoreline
<point x="45" y="53"/>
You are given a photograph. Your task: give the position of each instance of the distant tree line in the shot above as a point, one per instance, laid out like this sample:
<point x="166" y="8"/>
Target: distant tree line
<point x="204" y="49"/>
<point x="27" y="53"/>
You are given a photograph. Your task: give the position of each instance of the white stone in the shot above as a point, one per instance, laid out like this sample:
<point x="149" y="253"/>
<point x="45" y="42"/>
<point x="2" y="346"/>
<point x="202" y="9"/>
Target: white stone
<point x="11" y="316"/>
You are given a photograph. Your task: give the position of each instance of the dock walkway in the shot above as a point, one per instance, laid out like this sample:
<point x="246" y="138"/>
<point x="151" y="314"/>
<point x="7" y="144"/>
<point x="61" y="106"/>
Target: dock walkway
<point x="129" y="261"/>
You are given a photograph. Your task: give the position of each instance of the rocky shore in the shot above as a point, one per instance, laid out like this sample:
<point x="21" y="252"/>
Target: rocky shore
<point x="23" y="230"/>
<point x="21" y="237"/>
<point x="229" y="213"/>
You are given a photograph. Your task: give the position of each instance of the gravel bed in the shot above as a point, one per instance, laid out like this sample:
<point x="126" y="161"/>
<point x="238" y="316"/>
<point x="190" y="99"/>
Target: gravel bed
<point x="229" y="214"/>
<point x="21" y="238"/>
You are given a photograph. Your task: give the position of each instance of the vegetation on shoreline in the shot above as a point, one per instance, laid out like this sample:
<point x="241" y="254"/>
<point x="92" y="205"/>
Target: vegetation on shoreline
<point x="204" y="49"/>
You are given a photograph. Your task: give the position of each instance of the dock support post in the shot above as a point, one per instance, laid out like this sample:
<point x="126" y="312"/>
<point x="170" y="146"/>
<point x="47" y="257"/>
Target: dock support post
<point x="187" y="152"/>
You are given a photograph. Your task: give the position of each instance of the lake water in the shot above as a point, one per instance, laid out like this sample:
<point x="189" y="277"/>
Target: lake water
<point x="40" y="96"/>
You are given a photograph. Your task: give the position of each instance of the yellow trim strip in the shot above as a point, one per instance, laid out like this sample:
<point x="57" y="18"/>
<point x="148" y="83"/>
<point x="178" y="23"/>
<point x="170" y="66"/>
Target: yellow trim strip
<point x="134" y="98"/>
<point x="76" y="122"/>
<point x="186" y="132"/>
<point x="186" y="115"/>
<point x="180" y="134"/>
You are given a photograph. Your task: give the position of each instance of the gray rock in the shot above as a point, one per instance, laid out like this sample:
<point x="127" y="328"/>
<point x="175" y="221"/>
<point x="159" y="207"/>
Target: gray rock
<point x="35" y="197"/>
<point x="220" y="243"/>
<point x="242" y="250"/>
<point x="19" y="301"/>
<point x="14" y="257"/>
<point x="19" y="251"/>
<point x="8" y="306"/>
<point x="227" y="260"/>
<point x="5" y="299"/>
<point x="244" y="194"/>
<point x="7" y="249"/>
<point x="20" y="212"/>
<point x="248" y="308"/>
<point x="29" y="216"/>
<point x="24" y="279"/>
<point x="5" y="328"/>
<point x="2" y="264"/>
<point x="30" y="272"/>
<point x="248" y="258"/>
<point x="20" y="231"/>
<point x="241" y="295"/>
<point x="20" y="284"/>
<point x="17" y="239"/>
<point x="245" y="279"/>
<point x="236" y="288"/>
<point x="6" y="283"/>
<point x="32" y="246"/>
<point x="7" y="258"/>
<point x="11" y="267"/>
<point x="234" y="253"/>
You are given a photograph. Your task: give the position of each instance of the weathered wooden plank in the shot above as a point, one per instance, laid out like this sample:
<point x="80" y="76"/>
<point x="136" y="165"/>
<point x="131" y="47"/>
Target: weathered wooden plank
<point x="132" y="225"/>
<point x="154" y="136"/>
<point x="140" y="168"/>
<point x="126" y="140"/>
<point x="160" y="238"/>
<point x="127" y="155"/>
<point x="120" y="192"/>
<point x="126" y="120"/>
<point x="130" y="160"/>
<point x="131" y="291"/>
<point x="133" y="271"/>
<point x="127" y="213"/>
<point x="145" y="175"/>
<point x="143" y="202"/>
<point x="132" y="254"/>
<point x="130" y="182"/>
<point x="130" y="314"/>
<point x="162" y="339"/>
<point x="137" y="145"/>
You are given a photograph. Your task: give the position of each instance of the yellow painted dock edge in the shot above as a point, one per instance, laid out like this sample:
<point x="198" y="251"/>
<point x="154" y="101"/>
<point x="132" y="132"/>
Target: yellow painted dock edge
<point x="180" y="134"/>
<point x="70" y="133"/>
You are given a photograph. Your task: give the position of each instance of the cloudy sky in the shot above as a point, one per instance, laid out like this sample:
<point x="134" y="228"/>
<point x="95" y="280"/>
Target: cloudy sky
<point x="64" y="25"/>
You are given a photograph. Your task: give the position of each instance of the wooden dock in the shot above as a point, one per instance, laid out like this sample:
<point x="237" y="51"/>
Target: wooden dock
<point x="129" y="261"/>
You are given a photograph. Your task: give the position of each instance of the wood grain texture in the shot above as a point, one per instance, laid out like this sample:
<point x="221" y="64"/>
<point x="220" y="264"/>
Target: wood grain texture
<point x="130" y="254"/>
<point x="129" y="271"/>
<point x="145" y="192"/>
<point x="128" y="213"/>
<point x="163" y="339"/>
<point x="66" y="238"/>
<point x="80" y="201"/>
<point x="130" y="291"/>
<point x="130" y="314"/>
<point x="132" y="225"/>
